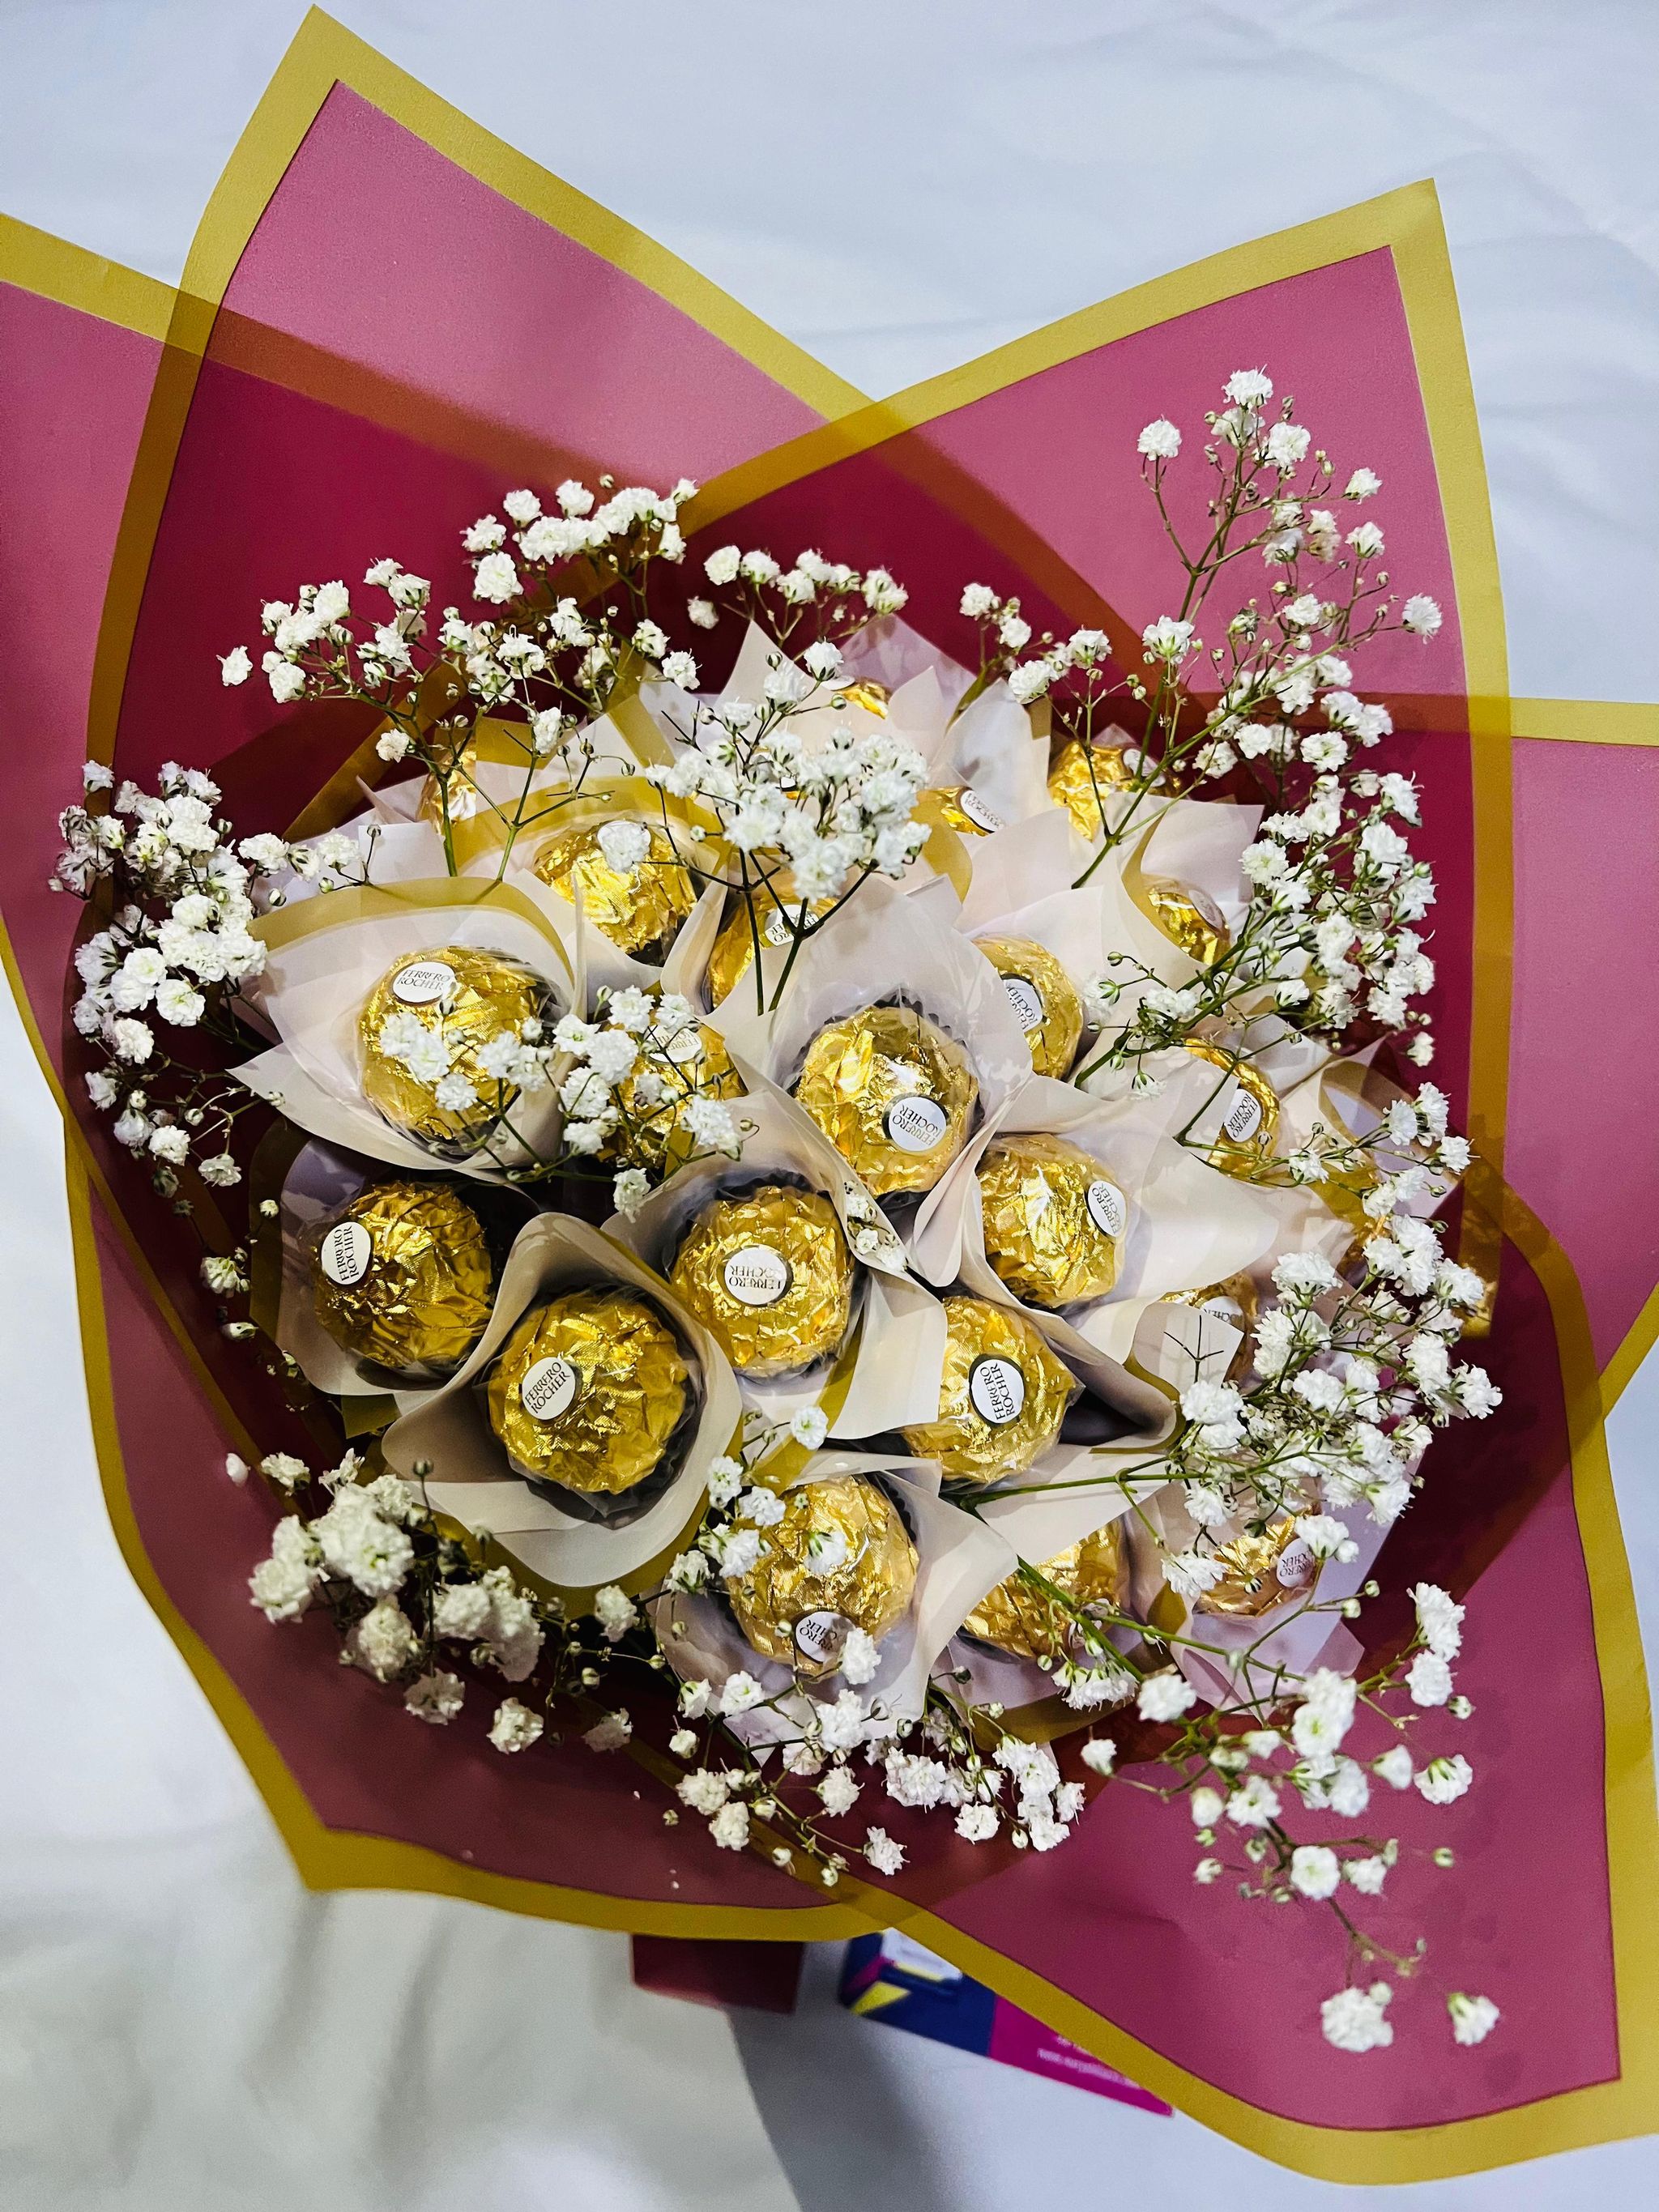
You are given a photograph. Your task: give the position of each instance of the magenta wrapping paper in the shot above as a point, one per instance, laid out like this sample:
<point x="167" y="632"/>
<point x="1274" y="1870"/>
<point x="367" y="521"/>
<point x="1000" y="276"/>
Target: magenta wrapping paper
<point x="339" y="407"/>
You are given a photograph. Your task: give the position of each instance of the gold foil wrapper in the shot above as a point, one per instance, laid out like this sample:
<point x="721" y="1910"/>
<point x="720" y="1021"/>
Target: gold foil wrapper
<point x="840" y="1558"/>
<point x="650" y="1135"/>
<point x="1259" y="1572"/>
<point x="465" y="997"/>
<point x="768" y="1274"/>
<point x="1081" y="778"/>
<point x="958" y="806"/>
<point x="463" y="766"/>
<point x="776" y="916"/>
<point x="894" y="1094"/>
<point x="1053" y="1220"/>
<point x="1002" y="1396"/>
<point x="1189" y="917"/>
<point x="1046" y="1004"/>
<point x="1249" y="1122"/>
<point x="639" y="909"/>
<point x="869" y="694"/>
<point x="1236" y="1300"/>
<point x="401" y="1277"/>
<point x="587" y="1392"/>
<point x="1026" y="1622"/>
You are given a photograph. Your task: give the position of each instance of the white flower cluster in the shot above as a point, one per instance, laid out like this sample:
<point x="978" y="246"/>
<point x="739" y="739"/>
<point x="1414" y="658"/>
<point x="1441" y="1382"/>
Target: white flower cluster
<point x="1329" y="938"/>
<point x="837" y="810"/>
<point x="951" y="1770"/>
<point x="177" y="947"/>
<point x="1351" y="1379"/>
<point x="511" y="1060"/>
<point x="640" y="1075"/>
<point x="547" y="666"/>
<point x="1004" y="632"/>
<point x="1239" y="1786"/>
<point x="764" y="589"/>
<point x="375" y="1541"/>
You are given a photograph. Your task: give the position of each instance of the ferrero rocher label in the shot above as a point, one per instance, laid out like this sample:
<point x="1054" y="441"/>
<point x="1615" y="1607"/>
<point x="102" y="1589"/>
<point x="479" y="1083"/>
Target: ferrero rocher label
<point x="958" y="806"/>
<point x="1260" y="1572"/>
<point x="768" y="1274"/>
<point x="1046" y="1004"/>
<point x="587" y="1391"/>
<point x="1190" y="917"/>
<point x="893" y="1094"/>
<point x="1082" y="779"/>
<point x="1053" y="1220"/>
<point x="1249" y="1109"/>
<point x="401" y="1277"/>
<point x="776" y="915"/>
<point x="649" y="1097"/>
<point x="463" y="997"/>
<point x="1030" y="1623"/>
<point x="840" y="1558"/>
<point x="639" y="909"/>
<point x="1002" y="1396"/>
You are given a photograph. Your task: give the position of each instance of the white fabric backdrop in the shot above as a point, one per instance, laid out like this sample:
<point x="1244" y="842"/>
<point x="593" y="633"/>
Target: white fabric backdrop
<point x="180" y="2025"/>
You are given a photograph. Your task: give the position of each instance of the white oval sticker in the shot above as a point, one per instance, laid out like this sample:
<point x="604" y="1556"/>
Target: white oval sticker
<point x="915" y="1125"/>
<point x="997" y="1389"/>
<point x="822" y="1637"/>
<point x="548" y="1389"/>
<point x="1026" y="1000"/>
<point x="423" y="982"/>
<point x="982" y="816"/>
<point x="779" y="927"/>
<point x="1295" y="1563"/>
<point x="1242" y="1118"/>
<point x="1224" y="1307"/>
<point x="347" y="1253"/>
<point x="1106" y="1210"/>
<point x="757" y="1275"/>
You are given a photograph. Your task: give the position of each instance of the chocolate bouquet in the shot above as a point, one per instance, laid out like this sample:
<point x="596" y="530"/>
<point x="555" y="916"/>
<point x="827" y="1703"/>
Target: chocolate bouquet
<point x="793" y="1112"/>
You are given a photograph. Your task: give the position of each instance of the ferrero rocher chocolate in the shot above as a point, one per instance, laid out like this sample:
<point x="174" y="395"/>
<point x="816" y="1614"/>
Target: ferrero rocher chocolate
<point x="1053" y="1220"/>
<point x="894" y="1094"/>
<point x="462" y="767"/>
<point x="1082" y="777"/>
<point x="650" y="1095"/>
<point x="840" y="1558"/>
<point x="1249" y="1113"/>
<point x="1046" y="1002"/>
<point x="958" y="806"/>
<point x="462" y="998"/>
<point x="639" y="909"/>
<point x="1235" y="1300"/>
<point x="1002" y="1396"/>
<point x="869" y="694"/>
<point x="775" y="917"/>
<point x="1259" y="1572"/>
<point x="587" y="1391"/>
<point x="401" y="1277"/>
<point x="1190" y="917"/>
<point x="769" y="1274"/>
<point x="1025" y="1621"/>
